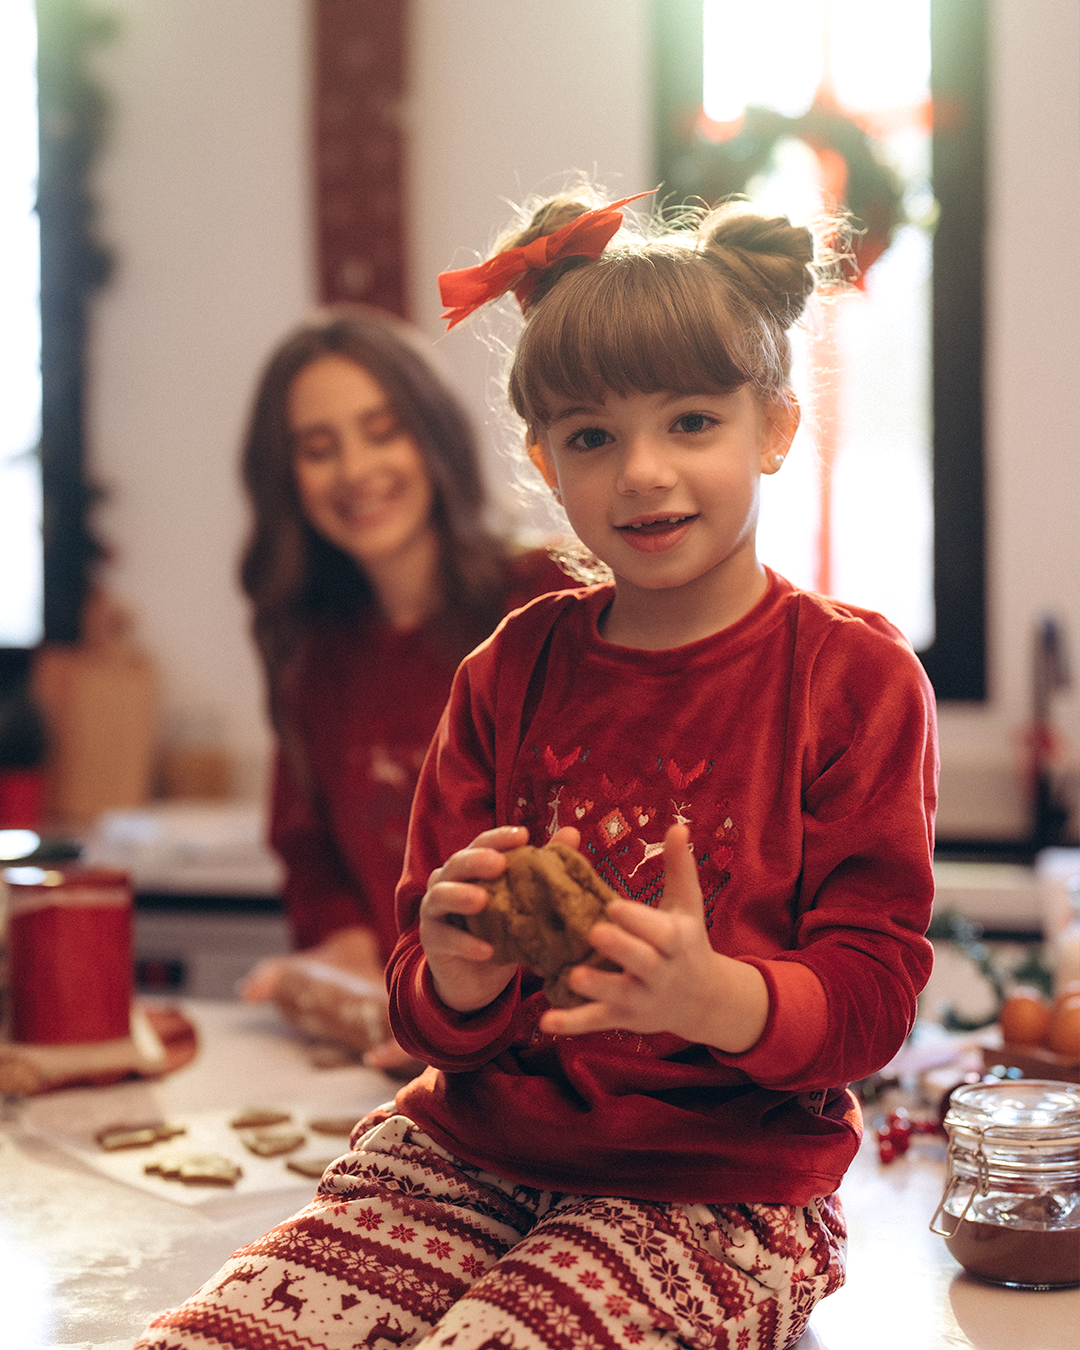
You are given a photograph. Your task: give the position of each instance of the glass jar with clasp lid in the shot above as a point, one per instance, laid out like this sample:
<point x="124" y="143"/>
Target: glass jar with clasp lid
<point x="1010" y="1213"/>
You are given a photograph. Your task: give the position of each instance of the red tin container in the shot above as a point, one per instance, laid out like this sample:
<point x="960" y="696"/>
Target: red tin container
<point x="69" y="952"/>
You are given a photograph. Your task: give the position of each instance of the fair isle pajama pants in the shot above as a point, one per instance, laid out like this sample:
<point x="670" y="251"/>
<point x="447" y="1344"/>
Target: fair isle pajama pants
<point x="405" y="1245"/>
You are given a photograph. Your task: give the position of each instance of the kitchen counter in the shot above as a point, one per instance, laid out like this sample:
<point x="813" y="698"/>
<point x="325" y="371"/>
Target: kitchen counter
<point x="87" y="1259"/>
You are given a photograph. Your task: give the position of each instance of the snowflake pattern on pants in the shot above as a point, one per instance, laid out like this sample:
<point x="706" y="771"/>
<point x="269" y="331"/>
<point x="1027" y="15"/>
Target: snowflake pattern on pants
<point x="405" y="1245"/>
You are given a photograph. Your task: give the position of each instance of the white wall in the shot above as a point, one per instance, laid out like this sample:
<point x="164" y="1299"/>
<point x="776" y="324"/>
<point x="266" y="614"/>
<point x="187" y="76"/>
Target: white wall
<point x="509" y="101"/>
<point x="204" y="194"/>
<point x="204" y="200"/>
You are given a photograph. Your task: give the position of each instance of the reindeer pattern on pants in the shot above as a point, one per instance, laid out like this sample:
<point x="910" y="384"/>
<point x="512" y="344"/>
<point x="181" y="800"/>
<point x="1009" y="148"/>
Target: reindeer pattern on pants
<point x="405" y="1245"/>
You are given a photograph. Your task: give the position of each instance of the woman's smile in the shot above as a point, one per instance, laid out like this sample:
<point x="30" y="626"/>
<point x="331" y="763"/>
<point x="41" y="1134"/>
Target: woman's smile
<point x="360" y="477"/>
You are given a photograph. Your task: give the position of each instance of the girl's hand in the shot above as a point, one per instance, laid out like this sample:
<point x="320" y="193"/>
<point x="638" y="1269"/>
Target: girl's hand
<point x="461" y="967"/>
<point x="671" y="979"/>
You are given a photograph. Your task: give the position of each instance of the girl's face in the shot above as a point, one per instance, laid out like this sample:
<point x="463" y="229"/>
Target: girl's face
<point x="360" y="476"/>
<point x="664" y="487"/>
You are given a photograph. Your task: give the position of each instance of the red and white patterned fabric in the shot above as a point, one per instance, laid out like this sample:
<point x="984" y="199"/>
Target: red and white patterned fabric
<point x="405" y="1245"/>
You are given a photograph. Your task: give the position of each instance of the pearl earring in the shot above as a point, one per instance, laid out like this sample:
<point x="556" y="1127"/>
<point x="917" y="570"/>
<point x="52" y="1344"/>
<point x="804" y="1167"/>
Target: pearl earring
<point x="777" y="460"/>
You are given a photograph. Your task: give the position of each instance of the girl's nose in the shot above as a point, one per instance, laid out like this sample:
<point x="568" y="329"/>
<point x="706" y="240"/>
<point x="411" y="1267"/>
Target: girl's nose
<point x="644" y="467"/>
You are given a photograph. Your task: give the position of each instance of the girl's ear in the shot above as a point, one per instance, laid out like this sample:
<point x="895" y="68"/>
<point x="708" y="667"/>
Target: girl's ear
<point x="543" y="465"/>
<point x="782" y="417"/>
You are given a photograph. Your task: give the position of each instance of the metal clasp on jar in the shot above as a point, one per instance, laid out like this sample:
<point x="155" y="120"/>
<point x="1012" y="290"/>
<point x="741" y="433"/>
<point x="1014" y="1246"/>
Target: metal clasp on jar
<point x="981" y="1186"/>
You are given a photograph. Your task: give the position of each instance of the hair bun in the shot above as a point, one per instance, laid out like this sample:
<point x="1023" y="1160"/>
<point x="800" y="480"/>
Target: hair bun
<point x="545" y="219"/>
<point x="770" y="259"/>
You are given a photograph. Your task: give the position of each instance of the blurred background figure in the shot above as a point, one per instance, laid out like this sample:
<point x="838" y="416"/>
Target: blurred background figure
<point x="371" y="573"/>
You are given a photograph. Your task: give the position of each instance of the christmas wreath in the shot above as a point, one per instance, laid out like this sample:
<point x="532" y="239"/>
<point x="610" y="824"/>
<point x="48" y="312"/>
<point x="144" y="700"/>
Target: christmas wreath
<point x="870" y="190"/>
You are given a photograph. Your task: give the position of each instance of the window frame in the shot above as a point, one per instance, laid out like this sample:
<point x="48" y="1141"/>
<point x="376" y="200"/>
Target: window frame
<point x="956" y="660"/>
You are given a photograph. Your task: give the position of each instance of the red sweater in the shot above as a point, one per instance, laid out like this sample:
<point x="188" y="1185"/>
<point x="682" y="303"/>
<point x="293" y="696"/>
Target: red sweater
<point x="799" y="746"/>
<point x="365" y="702"/>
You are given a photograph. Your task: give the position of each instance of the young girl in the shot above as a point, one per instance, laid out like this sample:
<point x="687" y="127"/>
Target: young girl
<point x="752" y="767"/>
<point x="371" y="574"/>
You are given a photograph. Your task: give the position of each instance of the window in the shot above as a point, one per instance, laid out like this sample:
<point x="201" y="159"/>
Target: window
<point x="801" y="104"/>
<point x="21" y="563"/>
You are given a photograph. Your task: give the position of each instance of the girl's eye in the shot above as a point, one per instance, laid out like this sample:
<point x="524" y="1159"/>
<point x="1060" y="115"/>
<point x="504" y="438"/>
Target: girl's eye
<point x="589" y="438"/>
<point x="692" y="423"/>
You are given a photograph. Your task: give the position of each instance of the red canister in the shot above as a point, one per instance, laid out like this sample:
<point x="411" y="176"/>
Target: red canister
<point x="69" y="952"/>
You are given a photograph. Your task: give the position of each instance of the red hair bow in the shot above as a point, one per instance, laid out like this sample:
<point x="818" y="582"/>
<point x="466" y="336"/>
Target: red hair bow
<point x="520" y="269"/>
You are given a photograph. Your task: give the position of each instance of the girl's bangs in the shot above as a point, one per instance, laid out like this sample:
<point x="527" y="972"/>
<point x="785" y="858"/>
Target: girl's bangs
<point x="613" y="327"/>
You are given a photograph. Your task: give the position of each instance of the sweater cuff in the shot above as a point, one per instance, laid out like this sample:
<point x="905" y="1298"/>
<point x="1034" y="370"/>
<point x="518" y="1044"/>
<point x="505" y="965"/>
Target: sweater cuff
<point x="794" y="1033"/>
<point x="461" y="1035"/>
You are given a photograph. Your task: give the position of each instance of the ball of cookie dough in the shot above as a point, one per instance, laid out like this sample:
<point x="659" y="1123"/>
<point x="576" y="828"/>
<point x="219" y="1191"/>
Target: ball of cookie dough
<point x="539" y="913"/>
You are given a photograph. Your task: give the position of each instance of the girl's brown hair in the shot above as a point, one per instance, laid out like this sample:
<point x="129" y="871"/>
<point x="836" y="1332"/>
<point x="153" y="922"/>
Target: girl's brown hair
<point x="687" y="311"/>
<point x="288" y="570"/>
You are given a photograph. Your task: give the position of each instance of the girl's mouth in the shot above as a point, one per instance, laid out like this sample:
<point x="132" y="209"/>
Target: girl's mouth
<point x="652" y="536"/>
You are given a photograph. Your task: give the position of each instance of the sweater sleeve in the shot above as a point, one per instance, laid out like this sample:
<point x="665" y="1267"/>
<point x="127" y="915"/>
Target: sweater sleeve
<point x="844" y="1000"/>
<point x="320" y="897"/>
<point x="454" y="802"/>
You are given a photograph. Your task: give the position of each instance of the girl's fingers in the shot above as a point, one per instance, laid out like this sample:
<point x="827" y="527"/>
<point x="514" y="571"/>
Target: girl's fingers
<point x="454" y="897"/>
<point x="635" y="949"/>
<point x="472" y="864"/>
<point x="682" y="888"/>
<point x="576" y="1021"/>
<point x="567" y="835"/>
<point x="501" y="837"/>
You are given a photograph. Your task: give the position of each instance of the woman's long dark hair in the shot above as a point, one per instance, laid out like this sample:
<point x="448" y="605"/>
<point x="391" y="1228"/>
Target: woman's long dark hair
<point x="289" y="571"/>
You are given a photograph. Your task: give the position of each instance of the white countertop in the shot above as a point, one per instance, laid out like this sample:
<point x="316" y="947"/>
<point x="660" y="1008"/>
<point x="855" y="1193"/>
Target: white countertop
<point x="86" y="1260"/>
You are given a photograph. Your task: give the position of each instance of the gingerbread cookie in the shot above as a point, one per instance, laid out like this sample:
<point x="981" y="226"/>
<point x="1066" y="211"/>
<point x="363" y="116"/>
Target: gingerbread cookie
<point x="259" y="1118"/>
<point x="142" y="1135"/>
<point x="196" y="1169"/>
<point x="539" y="915"/>
<point x="309" y="1167"/>
<point x="271" y="1143"/>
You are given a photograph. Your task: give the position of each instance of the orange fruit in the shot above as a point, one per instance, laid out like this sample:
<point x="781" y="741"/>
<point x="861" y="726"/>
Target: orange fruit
<point x="1025" y="1017"/>
<point x="1064" y="1033"/>
<point x="1069" y="990"/>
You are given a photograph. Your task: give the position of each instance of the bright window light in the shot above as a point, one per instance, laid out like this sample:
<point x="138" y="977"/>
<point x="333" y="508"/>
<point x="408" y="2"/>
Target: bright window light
<point x="21" y="568"/>
<point x="880" y="54"/>
<point x="851" y="513"/>
<point x="766" y="52"/>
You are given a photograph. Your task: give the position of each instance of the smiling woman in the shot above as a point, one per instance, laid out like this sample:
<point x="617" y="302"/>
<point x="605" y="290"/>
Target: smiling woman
<point x="362" y="483"/>
<point x="371" y="574"/>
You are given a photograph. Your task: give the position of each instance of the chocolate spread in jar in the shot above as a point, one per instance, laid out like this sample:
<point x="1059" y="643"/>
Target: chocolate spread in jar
<point x="1024" y="1258"/>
